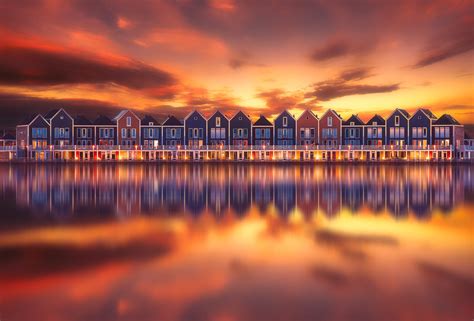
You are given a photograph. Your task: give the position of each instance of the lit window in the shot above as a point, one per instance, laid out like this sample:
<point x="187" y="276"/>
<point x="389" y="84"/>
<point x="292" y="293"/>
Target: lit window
<point x="397" y="120"/>
<point x="330" y="121"/>
<point x="129" y="121"/>
<point x="285" y="121"/>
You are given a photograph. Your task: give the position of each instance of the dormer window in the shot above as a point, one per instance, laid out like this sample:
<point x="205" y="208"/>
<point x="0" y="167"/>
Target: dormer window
<point x="330" y="121"/>
<point x="397" y="120"/>
<point x="218" y="122"/>
<point x="285" y="121"/>
<point x="129" y="121"/>
<point x="240" y="117"/>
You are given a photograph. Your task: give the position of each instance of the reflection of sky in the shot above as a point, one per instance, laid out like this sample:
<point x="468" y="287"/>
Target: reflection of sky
<point x="169" y="264"/>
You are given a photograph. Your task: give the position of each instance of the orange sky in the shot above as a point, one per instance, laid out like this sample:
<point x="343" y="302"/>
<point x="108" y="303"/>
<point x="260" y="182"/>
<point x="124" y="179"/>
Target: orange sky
<point x="164" y="57"/>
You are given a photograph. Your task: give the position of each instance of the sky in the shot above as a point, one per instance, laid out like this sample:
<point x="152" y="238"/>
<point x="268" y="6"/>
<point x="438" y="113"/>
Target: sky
<point x="171" y="57"/>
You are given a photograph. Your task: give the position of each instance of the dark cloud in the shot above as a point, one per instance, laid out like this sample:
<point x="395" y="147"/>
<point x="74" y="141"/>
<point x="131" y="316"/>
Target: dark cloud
<point x="30" y="66"/>
<point x="356" y="73"/>
<point x="278" y="100"/>
<point x="341" y="239"/>
<point x="336" y="48"/>
<point x="330" y="90"/>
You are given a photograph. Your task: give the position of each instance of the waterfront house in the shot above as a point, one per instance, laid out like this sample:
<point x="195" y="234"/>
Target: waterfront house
<point x="397" y="125"/>
<point x="307" y="129"/>
<point x="7" y="140"/>
<point x="84" y="131"/>
<point x="195" y="129"/>
<point x="128" y="128"/>
<point x="173" y="132"/>
<point x="240" y="129"/>
<point x="374" y="131"/>
<point x="105" y="131"/>
<point x="34" y="132"/>
<point x="420" y="124"/>
<point x="218" y="129"/>
<point x="61" y="127"/>
<point x="150" y="132"/>
<point x="353" y="131"/>
<point x="330" y="126"/>
<point x="447" y="131"/>
<point x="284" y="129"/>
<point x="262" y="132"/>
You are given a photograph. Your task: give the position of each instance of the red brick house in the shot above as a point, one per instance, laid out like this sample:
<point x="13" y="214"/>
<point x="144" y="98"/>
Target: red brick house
<point x="330" y="128"/>
<point x="128" y="128"/>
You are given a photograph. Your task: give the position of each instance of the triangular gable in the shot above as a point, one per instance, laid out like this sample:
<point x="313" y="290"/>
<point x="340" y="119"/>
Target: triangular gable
<point x="310" y="113"/>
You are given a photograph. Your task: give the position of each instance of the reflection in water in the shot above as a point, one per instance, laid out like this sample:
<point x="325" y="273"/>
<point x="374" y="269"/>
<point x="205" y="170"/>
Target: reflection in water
<point x="236" y="242"/>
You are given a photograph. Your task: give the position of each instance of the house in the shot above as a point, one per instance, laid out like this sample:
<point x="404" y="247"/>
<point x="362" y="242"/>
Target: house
<point x="33" y="131"/>
<point x="7" y="139"/>
<point x="105" y="131"/>
<point x="195" y="129"/>
<point x="218" y="129"/>
<point x="420" y="125"/>
<point x="240" y="130"/>
<point x="374" y="131"/>
<point x="173" y="132"/>
<point x="353" y="131"/>
<point x="128" y="128"/>
<point x="262" y="132"/>
<point x="61" y="127"/>
<point x="84" y="131"/>
<point x="150" y="132"/>
<point x="307" y="128"/>
<point x="330" y="126"/>
<point x="397" y="125"/>
<point x="284" y="129"/>
<point x="447" y="131"/>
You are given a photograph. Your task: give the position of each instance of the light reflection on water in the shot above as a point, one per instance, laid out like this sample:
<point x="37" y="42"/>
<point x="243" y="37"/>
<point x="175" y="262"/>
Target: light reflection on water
<point x="236" y="242"/>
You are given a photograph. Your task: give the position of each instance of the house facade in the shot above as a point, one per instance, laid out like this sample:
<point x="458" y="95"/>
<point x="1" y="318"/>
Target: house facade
<point x="150" y="132"/>
<point x="128" y="128"/>
<point x="420" y="124"/>
<point x="397" y="126"/>
<point x="61" y="127"/>
<point x="374" y="131"/>
<point x="84" y="131"/>
<point x="284" y="129"/>
<point x="195" y="129"/>
<point x="447" y="131"/>
<point x="173" y="132"/>
<point x="330" y="126"/>
<point x="218" y="130"/>
<point x="353" y="131"/>
<point x="307" y="129"/>
<point x="240" y="130"/>
<point x="105" y="131"/>
<point x="262" y="132"/>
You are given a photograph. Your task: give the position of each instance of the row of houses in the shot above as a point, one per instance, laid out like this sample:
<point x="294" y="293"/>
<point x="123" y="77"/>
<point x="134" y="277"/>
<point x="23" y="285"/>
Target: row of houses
<point x="59" y="128"/>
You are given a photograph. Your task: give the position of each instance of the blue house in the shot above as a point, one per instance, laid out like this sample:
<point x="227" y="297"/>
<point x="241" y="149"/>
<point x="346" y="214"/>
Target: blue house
<point x="151" y="132"/>
<point x="284" y="129"/>
<point x="447" y="131"/>
<point x="33" y="132"/>
<point x="195" y="128"/>
<point x="105" y="131"/>
<point x="374" y="131"/>
<point x="217" y="129"/>
<point x="353" y="131"/>
<point x="420" y="125"/>
<point x="61" y="127"/>
<point x="262" y="132"/>
<point x="397" y="128"/>
<point x="173" y="132"/>
<point x="240" y="130"/>
<point x="84" y="131"/>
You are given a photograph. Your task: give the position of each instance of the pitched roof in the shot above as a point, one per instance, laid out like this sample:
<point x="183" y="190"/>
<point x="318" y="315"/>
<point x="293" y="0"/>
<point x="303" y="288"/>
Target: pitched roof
<point x="332" y="111"/>
<point x="172" y="121"/>
<point x="429" y="113"/>
<point x="262" y="121"/>
<point x="149" y="119"/>
<point x="103" y="120"/>
<point x="240" y="113"/>
<point x="51" y="113"/>
<point x="28" y="119"/>
<point x="308" y="111"/>
<point x="355" y="119"/>
<point x="404" y="112"/>
<point x="218" y="112"/>
<point x="81" y="120"/>
<point x="446" y="119"/>
<point x="377" y="119"/>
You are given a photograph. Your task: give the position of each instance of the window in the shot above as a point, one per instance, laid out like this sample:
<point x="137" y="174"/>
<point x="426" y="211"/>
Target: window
<point x="425" y="132"/>
<point x="129" y="121"/>
<point x="124" y="133"/>
<point x="173" y="132"/>
<point x="352" y="123"/>
<point x="218" y="122"/>
<point x="150" y="123"/>
<point x="196" y="133"/>
<point x="302" y="132"/>
<point x="213" y="133"/>
<point x="150" y="132"/>
<point x="330" y="121"/>
<point x="397" y="120"/>
<point x="267" y="132"/>
<point x="285" y="121"/>
<point x="134" y="133"/>
<point x="84" y="133"/>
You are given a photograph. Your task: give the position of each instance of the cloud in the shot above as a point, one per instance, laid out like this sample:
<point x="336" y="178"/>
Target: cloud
<point x="358" y="73"/>
<point x="336" y="48"/>
<point x="342" y="239"/>
<point x="278" y="100"/>
<point x="49" y="66"/>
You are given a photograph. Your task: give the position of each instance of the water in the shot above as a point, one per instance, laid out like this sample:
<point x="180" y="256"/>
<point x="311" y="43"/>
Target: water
<point x="236" y="242"/>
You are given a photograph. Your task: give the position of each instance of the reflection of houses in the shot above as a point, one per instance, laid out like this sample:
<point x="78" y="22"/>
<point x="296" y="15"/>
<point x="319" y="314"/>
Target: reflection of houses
<point x="307" y="191"/>
<point x="330" y="192"/>
<point x="195" y="191"/>
<point x="240" y="189"/>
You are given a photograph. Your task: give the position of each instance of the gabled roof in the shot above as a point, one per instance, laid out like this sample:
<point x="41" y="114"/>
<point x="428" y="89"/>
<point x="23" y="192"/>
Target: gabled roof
<point x="149" y="119"/>
<point x="81" y="120"/>
<point x="172" y="121"/>
<point x="28" y="119"/>
<point x="331" y="111"/>
<point x="355" y="119"/>
<point x="401" y="111"/>
<point x="427" y="112"/>
<point x="51" y="113"/>
<point x="220" y="113"/>
<point x="240" y="113"/>
<point x="310" y="112"/>
<point x="194" y="112"/>
<point x="103" y="120"/>
<point x="377" y="119"/>
<point x="123" y="112"/>
<point x="285" y="112"/>
<point x="262" y="121"/>
<point x="446" y="119"/>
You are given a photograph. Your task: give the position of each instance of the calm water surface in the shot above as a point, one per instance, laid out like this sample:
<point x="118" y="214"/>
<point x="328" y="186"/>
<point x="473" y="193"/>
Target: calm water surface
<point x="236" y="242"/>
